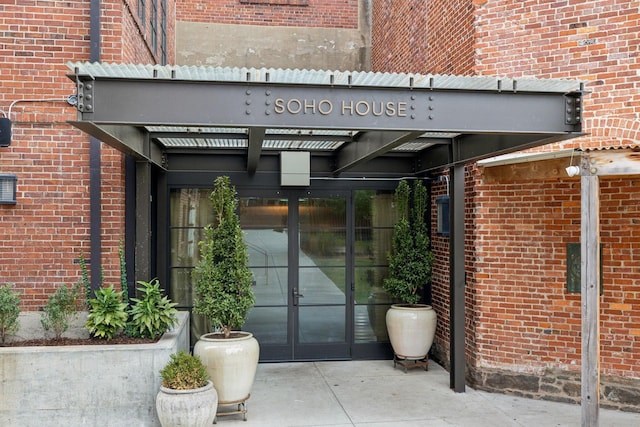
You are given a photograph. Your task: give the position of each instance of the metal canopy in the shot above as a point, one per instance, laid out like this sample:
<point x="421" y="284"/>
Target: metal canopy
<point x="354" y="118"/>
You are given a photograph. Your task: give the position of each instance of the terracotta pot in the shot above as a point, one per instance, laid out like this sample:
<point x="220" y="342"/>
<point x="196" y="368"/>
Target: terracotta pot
<point x="411" y="328"/>
<point x="231" y="363"/>
<point x="194" y="408"/>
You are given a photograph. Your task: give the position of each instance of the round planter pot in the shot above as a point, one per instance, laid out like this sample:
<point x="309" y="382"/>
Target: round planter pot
<point x="193" y="408"/>
<point x="231" y="363"/>
<point x="411" y="328"/>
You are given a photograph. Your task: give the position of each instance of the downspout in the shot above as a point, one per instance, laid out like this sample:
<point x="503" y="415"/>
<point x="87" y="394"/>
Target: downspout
<point x="95" y="196"/>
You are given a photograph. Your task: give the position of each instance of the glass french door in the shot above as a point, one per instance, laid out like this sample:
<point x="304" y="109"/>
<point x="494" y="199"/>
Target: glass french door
<point x="298" y="255"/>
<point x="318" y="260"/>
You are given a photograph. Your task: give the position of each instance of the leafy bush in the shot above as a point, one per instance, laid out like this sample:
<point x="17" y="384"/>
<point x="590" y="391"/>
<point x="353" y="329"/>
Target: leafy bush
<point x="222" y="278"/>
<point x="152" y="314"/>
<point x="411" y="259"/>
<point x="60" y="309"/>
<point x="9" y="311"/>
<point x="184" y="372"/>
<point x="108" y="313"/>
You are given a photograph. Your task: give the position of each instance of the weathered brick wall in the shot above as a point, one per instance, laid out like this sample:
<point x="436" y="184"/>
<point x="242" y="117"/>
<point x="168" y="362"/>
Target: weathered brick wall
<point x="523" y="328"/>
<point x="423" y="37"/>
<point x="48" y="228"/>
<point x="528" y="319"/>
<point x="294" y="13"/>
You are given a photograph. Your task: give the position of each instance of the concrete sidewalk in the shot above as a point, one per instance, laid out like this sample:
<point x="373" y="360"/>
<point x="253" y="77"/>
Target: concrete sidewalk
<point x="373" y="394"/>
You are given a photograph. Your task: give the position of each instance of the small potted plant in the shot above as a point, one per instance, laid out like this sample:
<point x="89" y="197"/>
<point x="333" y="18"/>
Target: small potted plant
<point x="411" y="326"/>
<point x="224" y="294"/>
<point x="186" y="396"/>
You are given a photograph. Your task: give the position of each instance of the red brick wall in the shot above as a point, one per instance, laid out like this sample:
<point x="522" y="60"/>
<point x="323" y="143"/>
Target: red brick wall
<point x="423" y="37"/>
<point x="48" y="228"/>
<point x="293" y="13"/>
<point x="525" y="317"/>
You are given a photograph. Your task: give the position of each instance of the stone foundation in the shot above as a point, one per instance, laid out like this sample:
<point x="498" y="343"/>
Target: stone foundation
<point x="555" y="385"/>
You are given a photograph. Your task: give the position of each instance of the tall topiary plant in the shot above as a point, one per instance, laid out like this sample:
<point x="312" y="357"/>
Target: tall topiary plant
<point x="222" y="278"/>
<point x="411" y="259"/>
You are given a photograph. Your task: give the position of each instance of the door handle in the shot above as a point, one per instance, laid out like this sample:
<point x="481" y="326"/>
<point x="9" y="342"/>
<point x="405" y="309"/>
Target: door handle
<point x="296" y="295"/>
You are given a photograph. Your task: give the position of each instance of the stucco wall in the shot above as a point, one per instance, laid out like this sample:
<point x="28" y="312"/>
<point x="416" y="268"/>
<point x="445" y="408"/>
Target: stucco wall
<point x="272" y="47"/>
<point x="314" y="35"/>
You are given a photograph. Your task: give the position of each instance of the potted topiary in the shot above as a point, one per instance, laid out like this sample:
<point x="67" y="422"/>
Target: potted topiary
<point x="187" y="396"/>
<point x="411" y="325"/>
<point x="223" y="293"/>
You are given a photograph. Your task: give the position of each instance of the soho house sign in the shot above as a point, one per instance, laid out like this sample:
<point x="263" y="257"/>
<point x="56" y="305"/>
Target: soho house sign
<point x="345" y="108"/>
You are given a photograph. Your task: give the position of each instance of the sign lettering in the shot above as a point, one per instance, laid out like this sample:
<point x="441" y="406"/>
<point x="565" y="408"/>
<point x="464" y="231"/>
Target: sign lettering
<point x="325" y="107"/>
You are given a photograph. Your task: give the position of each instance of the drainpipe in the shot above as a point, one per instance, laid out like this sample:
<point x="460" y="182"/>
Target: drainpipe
<point x="95" y="195"/>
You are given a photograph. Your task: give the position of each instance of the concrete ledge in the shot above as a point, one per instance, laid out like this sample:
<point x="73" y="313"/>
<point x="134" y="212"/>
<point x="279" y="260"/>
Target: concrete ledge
<point x="106" y="385"/>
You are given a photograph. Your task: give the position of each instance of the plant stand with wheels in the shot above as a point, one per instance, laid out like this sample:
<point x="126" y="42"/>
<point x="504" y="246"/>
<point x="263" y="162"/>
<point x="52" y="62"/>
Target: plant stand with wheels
<point x="410" y="363"/>
<point x="241" y="409"/>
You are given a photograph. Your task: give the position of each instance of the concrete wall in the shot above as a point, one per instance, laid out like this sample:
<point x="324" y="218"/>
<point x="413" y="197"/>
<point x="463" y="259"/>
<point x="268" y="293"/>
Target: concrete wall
<point x="92" y="385"/>
<point x="331" y="35"/>
<point x="272" y="47"/>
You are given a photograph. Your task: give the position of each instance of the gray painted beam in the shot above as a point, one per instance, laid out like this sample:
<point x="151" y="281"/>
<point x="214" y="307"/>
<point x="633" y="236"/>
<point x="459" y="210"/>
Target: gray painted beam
<point x="478" y="146"/>
<point x="369" y="145"/>
<point x="127" y="139"/>
<point x="271" y="105"/>
<point x="143" y="221"/>
<point x="256" y="137"/>
<point x="457" y="327"/>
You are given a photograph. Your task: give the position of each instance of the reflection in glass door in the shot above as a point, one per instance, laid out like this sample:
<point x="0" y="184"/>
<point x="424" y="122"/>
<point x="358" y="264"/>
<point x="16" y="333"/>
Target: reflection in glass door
<point x="322" y="292"/>
<point x="265" y="222"/>
<point x="318" y="261"/>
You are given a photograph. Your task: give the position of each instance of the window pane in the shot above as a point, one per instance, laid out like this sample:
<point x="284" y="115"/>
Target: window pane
<point x="268" y="324"/>
<point x="370" y="323"/>
<point x="181" y="288"/>
<point x="190" y="207"/>
<point x="184" y="246"/>
<point x="270" y="285"/>
<point x="322" y="285"/>
<point x="321" y="324"/>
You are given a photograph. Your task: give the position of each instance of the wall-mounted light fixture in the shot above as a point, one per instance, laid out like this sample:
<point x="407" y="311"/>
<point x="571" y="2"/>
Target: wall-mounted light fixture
<point x="572" y="170"/>
<point x="5" y="121"/>
<point x="442" y="205"/>
<point x="5" y="130"/>
<point x="8" y="184"/>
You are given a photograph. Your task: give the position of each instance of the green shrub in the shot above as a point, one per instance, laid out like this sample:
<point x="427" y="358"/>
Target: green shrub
<point x="60" y="309"/>
<point x="411" y="258"/>
<point x="184" y="372"/>
<point x="152" y="314"/>
<point x="9" y="311"/>
<point x="222" y="278"/>
<point x="107" y="314"/>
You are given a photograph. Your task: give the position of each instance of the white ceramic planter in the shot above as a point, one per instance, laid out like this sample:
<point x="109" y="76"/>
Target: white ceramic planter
<point x="231" y="363"/>
<point x="188" y="408"/>
<point x="411" y="330"/>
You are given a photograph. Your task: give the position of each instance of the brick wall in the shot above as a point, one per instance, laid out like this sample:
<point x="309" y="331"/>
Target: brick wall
<point x="44" y="233"/>
<point x="423" y="37"/>
<point x="293" y="13"/>
<point x="523" y="328"/>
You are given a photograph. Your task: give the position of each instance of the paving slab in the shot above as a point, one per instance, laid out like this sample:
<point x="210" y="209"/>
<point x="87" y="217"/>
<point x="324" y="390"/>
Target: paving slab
<point x="374" y="394"/>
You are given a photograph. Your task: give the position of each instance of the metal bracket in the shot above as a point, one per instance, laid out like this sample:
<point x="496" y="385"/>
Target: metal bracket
<point x="573" y="110"/>
<point x="85" y="96"/>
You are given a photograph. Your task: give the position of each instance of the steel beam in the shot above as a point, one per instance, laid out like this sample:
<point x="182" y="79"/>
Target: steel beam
<point x="369" y="145"/>
<point x="256" y="136"/>
<point x="479" y="146"/>
<point x="457" y="326"/>
<point x="270" y="105"/>
<point x="127" y="139"/>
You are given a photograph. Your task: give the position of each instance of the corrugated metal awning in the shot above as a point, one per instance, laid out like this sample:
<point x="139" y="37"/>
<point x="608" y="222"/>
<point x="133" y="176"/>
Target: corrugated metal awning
<point x="396" y="124"/>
